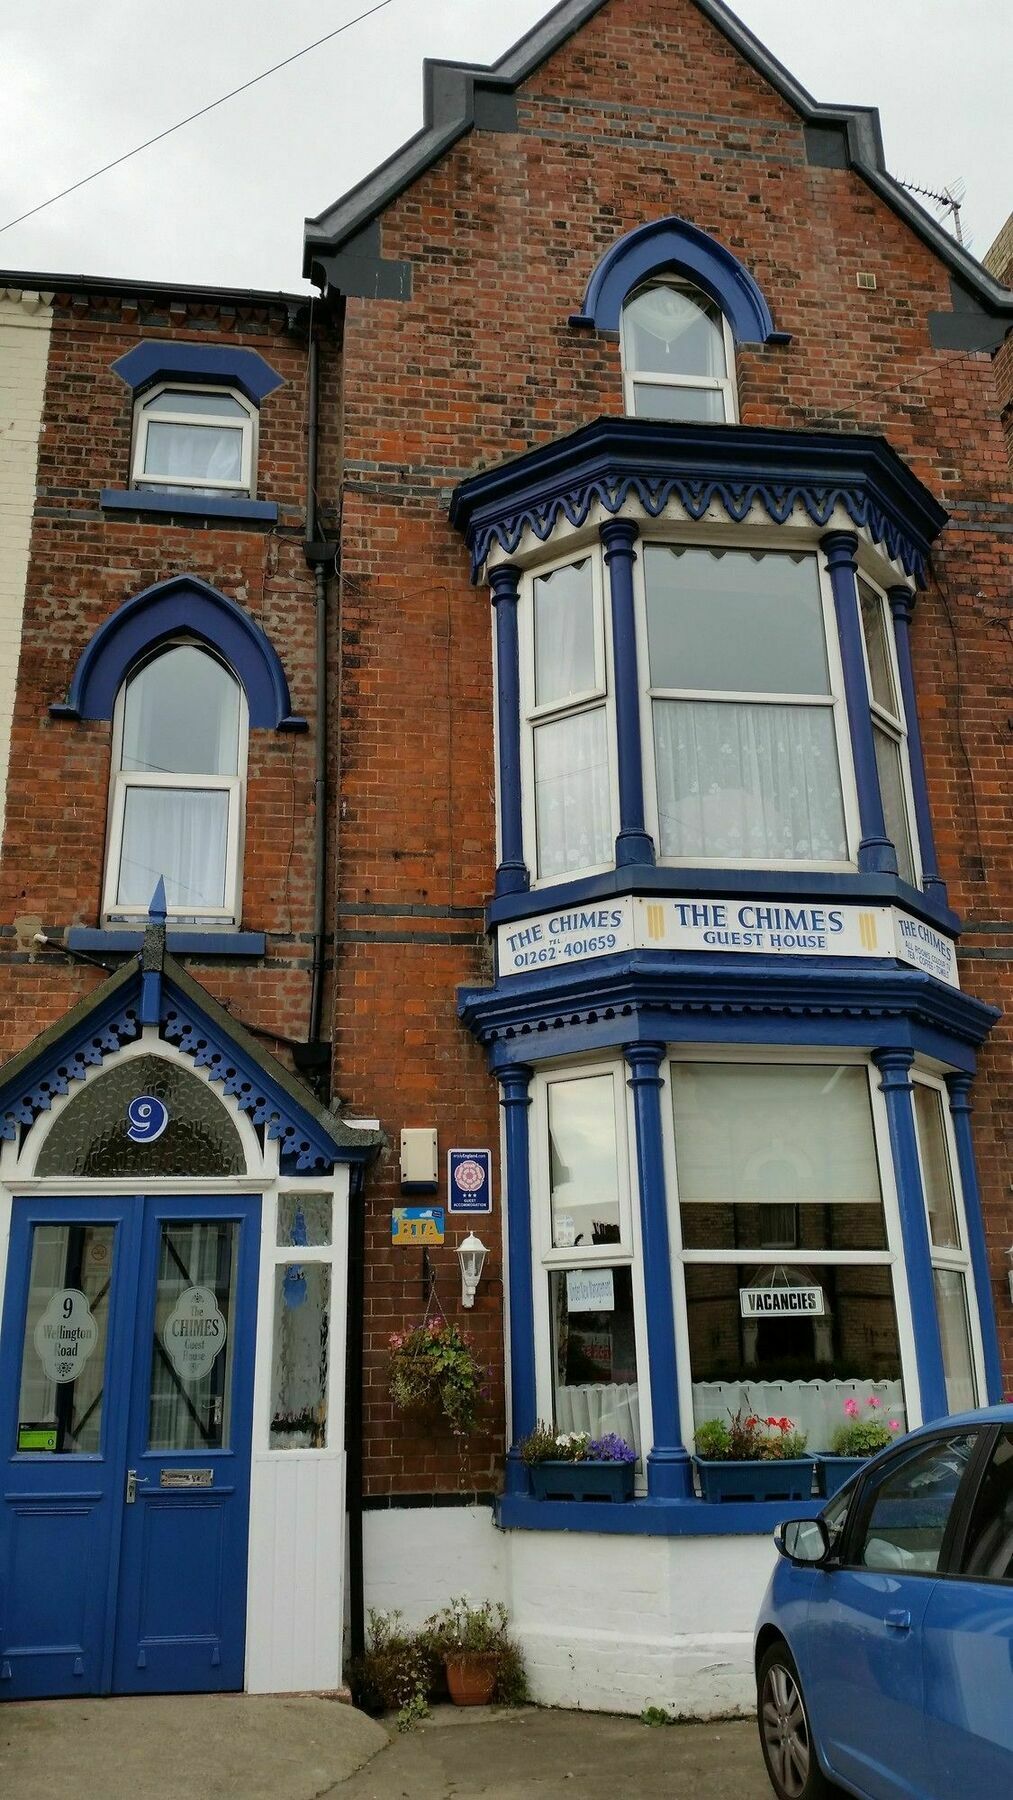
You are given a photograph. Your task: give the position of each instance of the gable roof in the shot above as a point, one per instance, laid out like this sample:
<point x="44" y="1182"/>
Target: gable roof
<point x="461" y="96"/>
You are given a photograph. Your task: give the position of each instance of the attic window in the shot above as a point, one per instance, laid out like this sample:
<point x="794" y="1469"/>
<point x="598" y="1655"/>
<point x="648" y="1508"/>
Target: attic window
<point x="678" y="355"/>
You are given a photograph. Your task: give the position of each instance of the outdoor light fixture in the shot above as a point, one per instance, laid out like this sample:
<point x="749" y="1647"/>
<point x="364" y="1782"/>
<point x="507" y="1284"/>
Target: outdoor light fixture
<point x="471" y="1254"/>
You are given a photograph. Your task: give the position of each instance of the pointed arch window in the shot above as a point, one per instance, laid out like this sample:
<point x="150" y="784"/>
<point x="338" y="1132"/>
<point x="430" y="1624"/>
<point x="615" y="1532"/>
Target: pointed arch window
<point x="678" y="355"/>
<point x="176" y="804"/>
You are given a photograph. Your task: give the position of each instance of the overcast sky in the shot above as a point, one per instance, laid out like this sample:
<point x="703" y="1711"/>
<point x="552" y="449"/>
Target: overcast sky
<point x="223" y="201"/>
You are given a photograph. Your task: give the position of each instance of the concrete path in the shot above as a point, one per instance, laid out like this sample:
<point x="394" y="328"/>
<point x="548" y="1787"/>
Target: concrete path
<point x="233" y="1747"/>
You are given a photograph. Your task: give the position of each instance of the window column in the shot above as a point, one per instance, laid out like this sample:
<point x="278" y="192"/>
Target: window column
<point x="515" y="1083"/>
<point x="895" y="1072"/>
<point x="633" y="844"/>
<point x="512" y="872"/>
<point x="876" y="853"/>
<point x="902" y="602"/>
<point x="959" y="1086"/>
<point x="669" y="1470"/>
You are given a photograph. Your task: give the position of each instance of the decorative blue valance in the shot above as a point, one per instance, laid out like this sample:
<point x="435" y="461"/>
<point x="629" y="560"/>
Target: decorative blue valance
<point x="160" y="613"/>
<point x="674" y="246"/>
<point x="226" y="365"/>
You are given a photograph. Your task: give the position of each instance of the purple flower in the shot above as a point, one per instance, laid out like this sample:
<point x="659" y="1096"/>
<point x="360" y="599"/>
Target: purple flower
<point x="611" y="1448"/>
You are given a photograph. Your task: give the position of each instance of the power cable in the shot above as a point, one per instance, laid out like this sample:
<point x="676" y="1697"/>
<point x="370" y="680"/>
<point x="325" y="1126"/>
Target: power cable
<point x="199" y="114"/>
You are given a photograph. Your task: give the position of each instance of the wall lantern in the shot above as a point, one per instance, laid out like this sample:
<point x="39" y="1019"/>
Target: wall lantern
<point x="471" y="1254"/>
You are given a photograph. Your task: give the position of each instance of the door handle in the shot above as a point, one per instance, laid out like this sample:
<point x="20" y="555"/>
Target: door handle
<point x="134" y="1481"/>
<point x="898" y="1620"/>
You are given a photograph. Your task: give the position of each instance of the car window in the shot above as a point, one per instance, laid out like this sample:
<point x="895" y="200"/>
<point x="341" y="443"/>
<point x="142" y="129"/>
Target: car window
<point x="988" y="1550"/>
<point x="835" y="1515"/>
<point x="905" y="1518"/>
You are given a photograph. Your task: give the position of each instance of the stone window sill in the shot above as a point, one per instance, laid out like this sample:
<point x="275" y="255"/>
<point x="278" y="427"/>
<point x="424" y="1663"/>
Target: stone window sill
<point x="200" y="506"/>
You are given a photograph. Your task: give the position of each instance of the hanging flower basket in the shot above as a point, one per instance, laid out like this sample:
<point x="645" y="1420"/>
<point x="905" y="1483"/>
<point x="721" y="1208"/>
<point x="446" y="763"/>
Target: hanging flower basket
<point x="435" y="1374"/>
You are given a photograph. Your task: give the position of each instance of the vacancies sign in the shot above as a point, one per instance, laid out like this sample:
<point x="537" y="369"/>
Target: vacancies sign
<point x="781" y="1303"/>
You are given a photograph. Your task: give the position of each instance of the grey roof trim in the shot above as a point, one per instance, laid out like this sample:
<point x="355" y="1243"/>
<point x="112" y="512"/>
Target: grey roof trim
<point x="449" y="112"/>
<point x="33" y="281"/>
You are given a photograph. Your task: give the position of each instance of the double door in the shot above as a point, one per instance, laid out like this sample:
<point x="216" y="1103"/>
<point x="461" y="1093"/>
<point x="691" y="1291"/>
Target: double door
<point x="126" y="1386"/>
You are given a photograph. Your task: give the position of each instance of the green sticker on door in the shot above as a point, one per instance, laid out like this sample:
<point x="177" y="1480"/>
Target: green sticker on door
<point x="36" y="1437"/>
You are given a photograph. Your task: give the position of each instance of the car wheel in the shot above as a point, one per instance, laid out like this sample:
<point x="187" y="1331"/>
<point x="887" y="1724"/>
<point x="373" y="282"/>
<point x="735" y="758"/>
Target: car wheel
<point x="784" y="1730"/>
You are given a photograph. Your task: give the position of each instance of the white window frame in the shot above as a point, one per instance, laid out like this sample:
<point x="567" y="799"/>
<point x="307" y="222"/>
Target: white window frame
<point x="891" y="1256"/>
<point x="143" y="417"/>
<point x="602" y="695"/>
<point x="625" y="1254"/>
<point x="892" y="724"/>
<point x="633" y="378"/>
<point x="115" y="913"/>
<point x="956" y="1258"/>
<point x="835" y="698"/>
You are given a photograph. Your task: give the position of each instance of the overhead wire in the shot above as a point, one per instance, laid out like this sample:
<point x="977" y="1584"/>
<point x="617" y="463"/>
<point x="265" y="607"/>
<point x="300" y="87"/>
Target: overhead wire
<point x="201" y="113"/>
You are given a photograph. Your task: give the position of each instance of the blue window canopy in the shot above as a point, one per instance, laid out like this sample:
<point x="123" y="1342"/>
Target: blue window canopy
<point x="615" y="461"/>
<point x="675" y="247"/>
<point x="224" y="365"/>
<point x="187" y="605"/>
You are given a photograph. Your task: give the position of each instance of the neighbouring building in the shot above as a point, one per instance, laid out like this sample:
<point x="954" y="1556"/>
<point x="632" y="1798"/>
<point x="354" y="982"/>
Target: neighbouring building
<point x="648" y="633"/>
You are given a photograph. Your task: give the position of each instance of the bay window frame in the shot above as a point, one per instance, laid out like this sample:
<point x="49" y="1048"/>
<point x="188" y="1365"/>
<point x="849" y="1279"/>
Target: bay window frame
<point x="956" y="1259"/>
<point x="892" y="725"/>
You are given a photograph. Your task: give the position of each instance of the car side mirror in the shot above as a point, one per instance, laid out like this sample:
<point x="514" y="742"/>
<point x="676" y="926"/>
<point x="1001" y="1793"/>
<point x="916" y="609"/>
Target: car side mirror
<point x="803" y="1541"/>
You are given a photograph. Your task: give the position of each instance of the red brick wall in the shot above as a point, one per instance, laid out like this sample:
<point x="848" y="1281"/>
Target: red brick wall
<point x="83" y="565"/>
<point x="646" y="112"/>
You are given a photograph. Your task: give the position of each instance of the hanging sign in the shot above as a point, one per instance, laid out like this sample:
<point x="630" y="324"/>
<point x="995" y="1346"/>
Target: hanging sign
<point x="469" y="1181"/>
<point x="65" y="1335"/>
<point x="781" y="1302"/>
<point x="590" y="1290"/>
<point x="577" y="934"/>
<point x="194" y="1333"/>
<point x="147" y="1118"/>
<point x="417" y="1225"/>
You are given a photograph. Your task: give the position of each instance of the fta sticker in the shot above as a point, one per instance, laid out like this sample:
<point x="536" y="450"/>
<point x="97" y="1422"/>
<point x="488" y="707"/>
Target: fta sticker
<point x="469" y="1181"/>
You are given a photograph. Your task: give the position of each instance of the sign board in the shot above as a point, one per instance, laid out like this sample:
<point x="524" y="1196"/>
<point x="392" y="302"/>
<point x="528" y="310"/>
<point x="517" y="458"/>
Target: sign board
<point x="578" y="934"/>
<point x="65" y="1335"/>
<point x="36" y="1437"/>
<point x="194" y="1333"/>
<point x="781" y="1302"/>
<point x="469" y="1181"/>
<point x="417" y="1225"/>
<point x="186" y="1478"/>
<point x="590" y="1290"/>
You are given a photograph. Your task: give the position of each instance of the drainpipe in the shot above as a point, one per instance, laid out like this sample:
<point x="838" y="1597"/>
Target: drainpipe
<point x="318" y="555"/>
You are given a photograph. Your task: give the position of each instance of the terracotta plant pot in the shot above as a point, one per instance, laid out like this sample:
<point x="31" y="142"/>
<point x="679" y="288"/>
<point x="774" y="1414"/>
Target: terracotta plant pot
<point x="471" y="1677"/>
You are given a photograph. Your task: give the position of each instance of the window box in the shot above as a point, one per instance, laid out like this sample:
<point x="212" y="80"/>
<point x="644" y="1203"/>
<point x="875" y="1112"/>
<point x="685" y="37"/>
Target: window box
<point x="603" y="1481"/>
<point x="833" y="1471"/>
<point x="791" y="1479"/>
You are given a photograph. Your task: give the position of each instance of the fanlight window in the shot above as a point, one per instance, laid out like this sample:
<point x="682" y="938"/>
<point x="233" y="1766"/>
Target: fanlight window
<point x="194" y="440"/>
<point x="179" y="755"/>
<point x="678" y="355"/>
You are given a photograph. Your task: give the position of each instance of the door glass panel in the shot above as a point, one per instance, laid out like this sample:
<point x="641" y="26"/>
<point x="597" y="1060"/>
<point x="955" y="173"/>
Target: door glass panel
<point x="907" y="1522"/>
<point x="302" y="1318"/>
<point x="955" y="1335"/>
<point x="191" y="1368"/>
<point x="64" y="1346"/>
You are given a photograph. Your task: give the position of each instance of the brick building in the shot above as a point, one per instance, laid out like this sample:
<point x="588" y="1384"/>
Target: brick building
<point x="660" y="465"/>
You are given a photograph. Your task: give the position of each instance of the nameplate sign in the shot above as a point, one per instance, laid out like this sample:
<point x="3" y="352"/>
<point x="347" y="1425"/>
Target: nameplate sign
<point x="576" y="934"/>
<point x="781" y="1303"/>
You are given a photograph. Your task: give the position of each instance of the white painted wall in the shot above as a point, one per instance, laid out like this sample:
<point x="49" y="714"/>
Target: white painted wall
<point x="25" y="322"/>
<point x="607" y="1624"/>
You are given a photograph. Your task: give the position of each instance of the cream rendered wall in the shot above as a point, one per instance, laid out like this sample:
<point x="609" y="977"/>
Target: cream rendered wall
<point x="25" y="322"/>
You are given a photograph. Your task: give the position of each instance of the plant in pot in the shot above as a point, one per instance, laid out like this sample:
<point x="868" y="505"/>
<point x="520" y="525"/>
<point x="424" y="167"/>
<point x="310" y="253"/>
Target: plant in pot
<point x="573" y="1465"/>
<point x="752" y="1458"/>
<point x="434" y="1372"/>
<point x="853" y="1443"/>
<point x="472" y="1642"/>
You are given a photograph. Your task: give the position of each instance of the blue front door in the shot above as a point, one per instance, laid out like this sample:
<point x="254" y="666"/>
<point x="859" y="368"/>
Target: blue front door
<point x="126" y="1383"/>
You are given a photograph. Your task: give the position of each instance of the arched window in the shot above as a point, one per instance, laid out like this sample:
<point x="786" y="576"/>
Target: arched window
<point x="176" y="807"/>
<point x="678" y="355"/>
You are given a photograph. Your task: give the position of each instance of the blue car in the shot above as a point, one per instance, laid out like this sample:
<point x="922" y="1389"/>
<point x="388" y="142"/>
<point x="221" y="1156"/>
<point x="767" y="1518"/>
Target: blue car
<point x="884" y="1647"/>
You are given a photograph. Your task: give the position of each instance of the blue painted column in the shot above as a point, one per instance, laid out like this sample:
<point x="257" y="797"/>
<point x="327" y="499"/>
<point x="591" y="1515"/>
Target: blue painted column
<point x="902" y="602"/>
<point x="959" y="1085"/>
<point x="515" y="1082"/>
<point x="876" y="854"/>
<point x="633" y="844"/>
<point x="512" y="872"/>
<point x="669" y="1470"/>
<point x="895" y="1071"/>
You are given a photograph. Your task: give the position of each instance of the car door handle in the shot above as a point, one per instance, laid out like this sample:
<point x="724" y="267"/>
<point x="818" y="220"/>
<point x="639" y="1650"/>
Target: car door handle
<point x="898" y="1620"/>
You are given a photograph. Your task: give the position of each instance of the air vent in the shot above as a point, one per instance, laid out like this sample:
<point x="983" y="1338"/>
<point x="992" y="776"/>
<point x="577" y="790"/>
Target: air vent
<point x="865" y="280"/>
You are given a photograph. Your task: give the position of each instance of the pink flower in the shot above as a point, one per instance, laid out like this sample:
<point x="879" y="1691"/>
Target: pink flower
<point x="873" y="1401"/>
<point x="851" y="1408"/>
<point x="893" y="1425"/>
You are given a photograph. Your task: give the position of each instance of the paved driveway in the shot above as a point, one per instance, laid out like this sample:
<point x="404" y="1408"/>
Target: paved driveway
<point x="235" y="1747"/>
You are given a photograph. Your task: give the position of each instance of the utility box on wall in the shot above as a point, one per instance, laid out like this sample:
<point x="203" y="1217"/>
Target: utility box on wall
<point x="419" y="1164"/>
